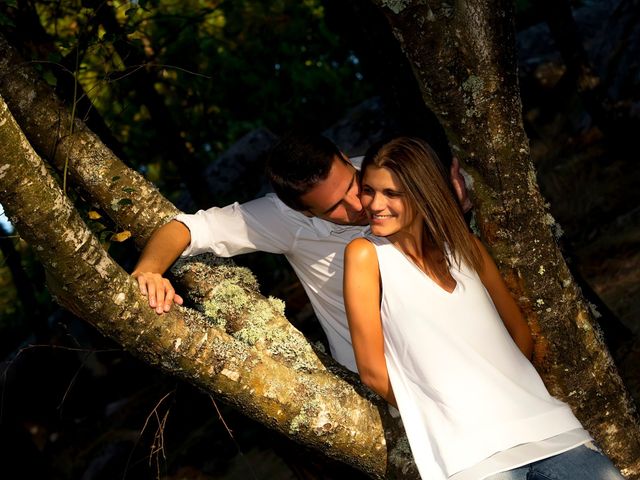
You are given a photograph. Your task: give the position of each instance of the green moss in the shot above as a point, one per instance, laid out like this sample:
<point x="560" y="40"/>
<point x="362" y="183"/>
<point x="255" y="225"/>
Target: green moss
<point x="230" y="300"/>
<point x="259" y="313"/>
<point x="277" y="305"/>
<point x="226" y="300"/>
<point x="283" y="342"/>
<point x="308" y="411"/>
<point x="229" y="351"/>
<point x="213" y="270"/>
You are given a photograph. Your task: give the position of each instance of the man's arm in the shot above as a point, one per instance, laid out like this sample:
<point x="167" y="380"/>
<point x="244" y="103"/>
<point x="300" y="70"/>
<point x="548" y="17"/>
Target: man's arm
<point x="264" y="224"/>
<point x="163" y="248"/>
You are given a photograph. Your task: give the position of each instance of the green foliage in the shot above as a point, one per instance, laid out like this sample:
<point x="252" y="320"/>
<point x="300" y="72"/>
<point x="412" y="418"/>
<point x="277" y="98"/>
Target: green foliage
<point x="177" y="82"/>
<point x="201" y="72"/>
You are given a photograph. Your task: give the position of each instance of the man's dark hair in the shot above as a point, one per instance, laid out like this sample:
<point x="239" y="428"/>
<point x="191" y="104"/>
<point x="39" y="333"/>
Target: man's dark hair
<point x="298" y="162"/>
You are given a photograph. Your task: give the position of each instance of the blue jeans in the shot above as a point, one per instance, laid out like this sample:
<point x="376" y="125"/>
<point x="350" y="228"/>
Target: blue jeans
<point x="585" y="462"/>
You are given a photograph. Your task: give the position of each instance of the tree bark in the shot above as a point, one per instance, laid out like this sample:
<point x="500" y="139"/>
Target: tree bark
<point x="463" y="55"/>
<point x="273" y="376"/>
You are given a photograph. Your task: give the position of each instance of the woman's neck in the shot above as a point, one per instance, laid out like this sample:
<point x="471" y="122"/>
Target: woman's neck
<point x="412" y="244"/>
<point x="425" y="255"/>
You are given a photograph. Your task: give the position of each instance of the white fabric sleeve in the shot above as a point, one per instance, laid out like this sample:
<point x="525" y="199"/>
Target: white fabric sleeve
<point x="263" y="225"/>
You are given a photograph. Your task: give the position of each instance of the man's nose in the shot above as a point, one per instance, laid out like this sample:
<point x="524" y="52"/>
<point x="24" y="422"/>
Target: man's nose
<point x="353" y="201"/>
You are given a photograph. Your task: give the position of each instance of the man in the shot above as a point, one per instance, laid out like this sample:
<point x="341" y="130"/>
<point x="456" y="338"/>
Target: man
<point x="315" y="213"/>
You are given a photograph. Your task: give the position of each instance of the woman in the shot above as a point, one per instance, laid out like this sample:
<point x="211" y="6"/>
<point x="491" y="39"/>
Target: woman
<point x="436" y="332"/>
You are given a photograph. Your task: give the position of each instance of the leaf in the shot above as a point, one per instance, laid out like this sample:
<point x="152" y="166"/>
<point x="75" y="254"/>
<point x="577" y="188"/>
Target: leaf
<point x="93" y="215"/>
<point x="50" y="78"/>
<point x="115" y="178"/>
<point x="6" y="21"/>
<point x="128" y="189"/>
<point x="104" y="236"/>
<point x="121" y="237"/>
<point x="54" y="57"/>
<point x="125" y="201"/>
<point x="98" y="227"/>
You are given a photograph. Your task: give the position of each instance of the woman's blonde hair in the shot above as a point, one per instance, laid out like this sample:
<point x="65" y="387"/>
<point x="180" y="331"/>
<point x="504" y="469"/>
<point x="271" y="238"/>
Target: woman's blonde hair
<point x="429" y="191"/>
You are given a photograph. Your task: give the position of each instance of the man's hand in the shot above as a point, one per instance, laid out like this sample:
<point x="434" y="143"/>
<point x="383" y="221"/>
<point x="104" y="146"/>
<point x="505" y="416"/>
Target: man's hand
<point x="165" y="245"/>
<point x="158" y="289"/>
<point x="459" y="185"/>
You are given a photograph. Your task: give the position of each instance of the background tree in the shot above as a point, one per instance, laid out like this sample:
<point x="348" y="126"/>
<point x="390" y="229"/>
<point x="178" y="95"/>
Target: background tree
<point x="465" y="62"/>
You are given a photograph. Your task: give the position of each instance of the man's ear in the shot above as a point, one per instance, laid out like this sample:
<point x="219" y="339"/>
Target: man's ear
<point x="459" y="185"/>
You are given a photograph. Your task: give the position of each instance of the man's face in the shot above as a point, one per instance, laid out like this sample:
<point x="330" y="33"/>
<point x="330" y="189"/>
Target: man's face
<point x="337" y="197"/>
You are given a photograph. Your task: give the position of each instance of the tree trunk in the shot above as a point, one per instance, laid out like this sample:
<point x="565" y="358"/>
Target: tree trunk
<point x="463" y="55"/>
<point x="271" y="375"/>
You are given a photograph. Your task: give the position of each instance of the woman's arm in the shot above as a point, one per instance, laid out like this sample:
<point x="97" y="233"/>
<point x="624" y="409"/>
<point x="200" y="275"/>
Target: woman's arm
<point x="362" y="302"/>
<point x="504" y="302"/>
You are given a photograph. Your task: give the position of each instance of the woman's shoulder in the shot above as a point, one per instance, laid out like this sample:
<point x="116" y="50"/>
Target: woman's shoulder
<point x="360" y="245"/>
<point x="361" y="261"/>
<point x="361" y="250"/>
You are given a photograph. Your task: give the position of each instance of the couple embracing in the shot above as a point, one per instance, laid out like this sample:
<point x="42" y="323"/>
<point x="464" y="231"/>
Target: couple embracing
<point x="407" y="297"/>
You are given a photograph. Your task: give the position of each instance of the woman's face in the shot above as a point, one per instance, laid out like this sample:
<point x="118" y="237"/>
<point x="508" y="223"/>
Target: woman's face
<point x="387" y="206"/>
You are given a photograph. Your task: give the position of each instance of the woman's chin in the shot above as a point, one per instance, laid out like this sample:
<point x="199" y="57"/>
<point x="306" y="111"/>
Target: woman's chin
<point x="380" y="231"/>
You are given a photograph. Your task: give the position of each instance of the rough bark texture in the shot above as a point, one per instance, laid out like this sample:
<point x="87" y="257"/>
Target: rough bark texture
<point x="288" y="389"/>
<point x="463" y="56"/>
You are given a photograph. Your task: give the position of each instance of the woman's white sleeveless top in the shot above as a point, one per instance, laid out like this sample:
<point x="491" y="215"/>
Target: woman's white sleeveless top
<point x="464" y="389"/>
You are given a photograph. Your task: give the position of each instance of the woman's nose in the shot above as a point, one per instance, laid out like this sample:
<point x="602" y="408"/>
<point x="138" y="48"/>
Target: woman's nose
<point x="377" y="203"/>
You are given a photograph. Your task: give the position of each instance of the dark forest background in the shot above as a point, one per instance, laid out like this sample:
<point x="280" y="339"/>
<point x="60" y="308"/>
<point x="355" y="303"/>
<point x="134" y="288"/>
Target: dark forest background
<point x="192" y="94"/>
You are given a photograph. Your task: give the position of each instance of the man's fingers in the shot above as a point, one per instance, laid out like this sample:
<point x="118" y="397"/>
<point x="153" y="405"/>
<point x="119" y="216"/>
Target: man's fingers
<point x="151" y="289"/>
<point x="455" y="164"/>
<point x="142" y="284"/>
<point x="169" y="295"/>
<point x="459" y="185"/>
<point x="160" y="295"/>
<point x="159" y="291"/>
